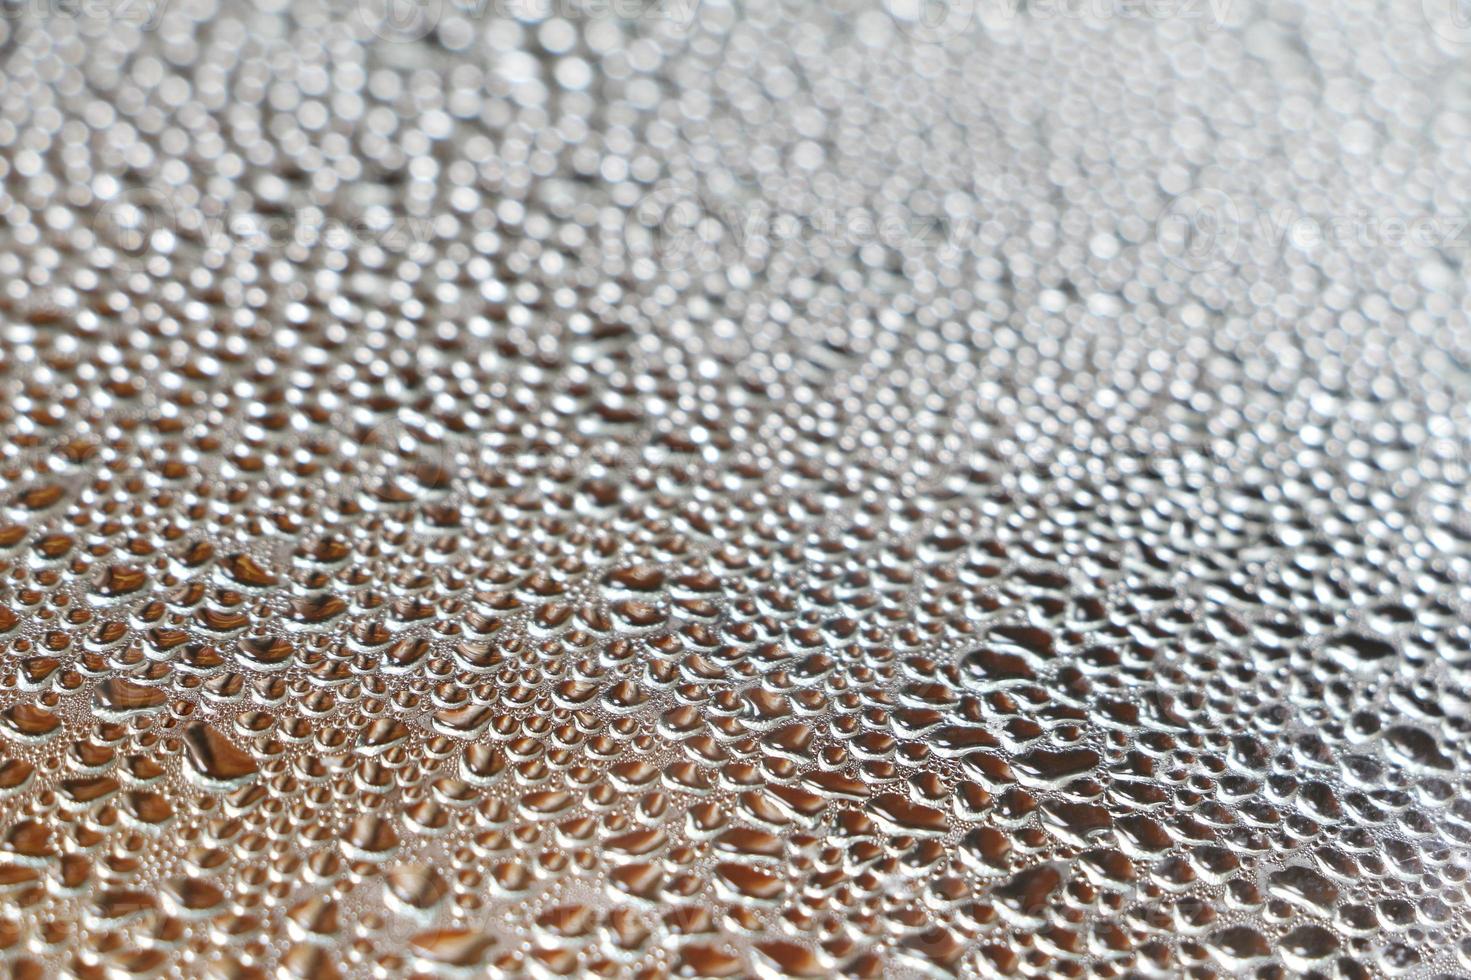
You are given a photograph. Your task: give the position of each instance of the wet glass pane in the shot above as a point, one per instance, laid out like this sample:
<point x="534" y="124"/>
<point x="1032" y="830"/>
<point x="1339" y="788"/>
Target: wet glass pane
<point x="642" y="488"/>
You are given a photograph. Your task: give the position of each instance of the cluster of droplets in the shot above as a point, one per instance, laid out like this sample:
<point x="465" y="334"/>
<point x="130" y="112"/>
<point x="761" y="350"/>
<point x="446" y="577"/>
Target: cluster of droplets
<point x="746" y="495"/>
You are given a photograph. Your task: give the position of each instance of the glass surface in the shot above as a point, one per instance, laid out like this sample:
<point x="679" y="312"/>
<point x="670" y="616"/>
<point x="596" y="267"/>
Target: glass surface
<point x="654" y="488"/>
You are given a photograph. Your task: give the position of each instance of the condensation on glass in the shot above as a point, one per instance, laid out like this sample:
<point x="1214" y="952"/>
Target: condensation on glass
<point x="673" y="488"/>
